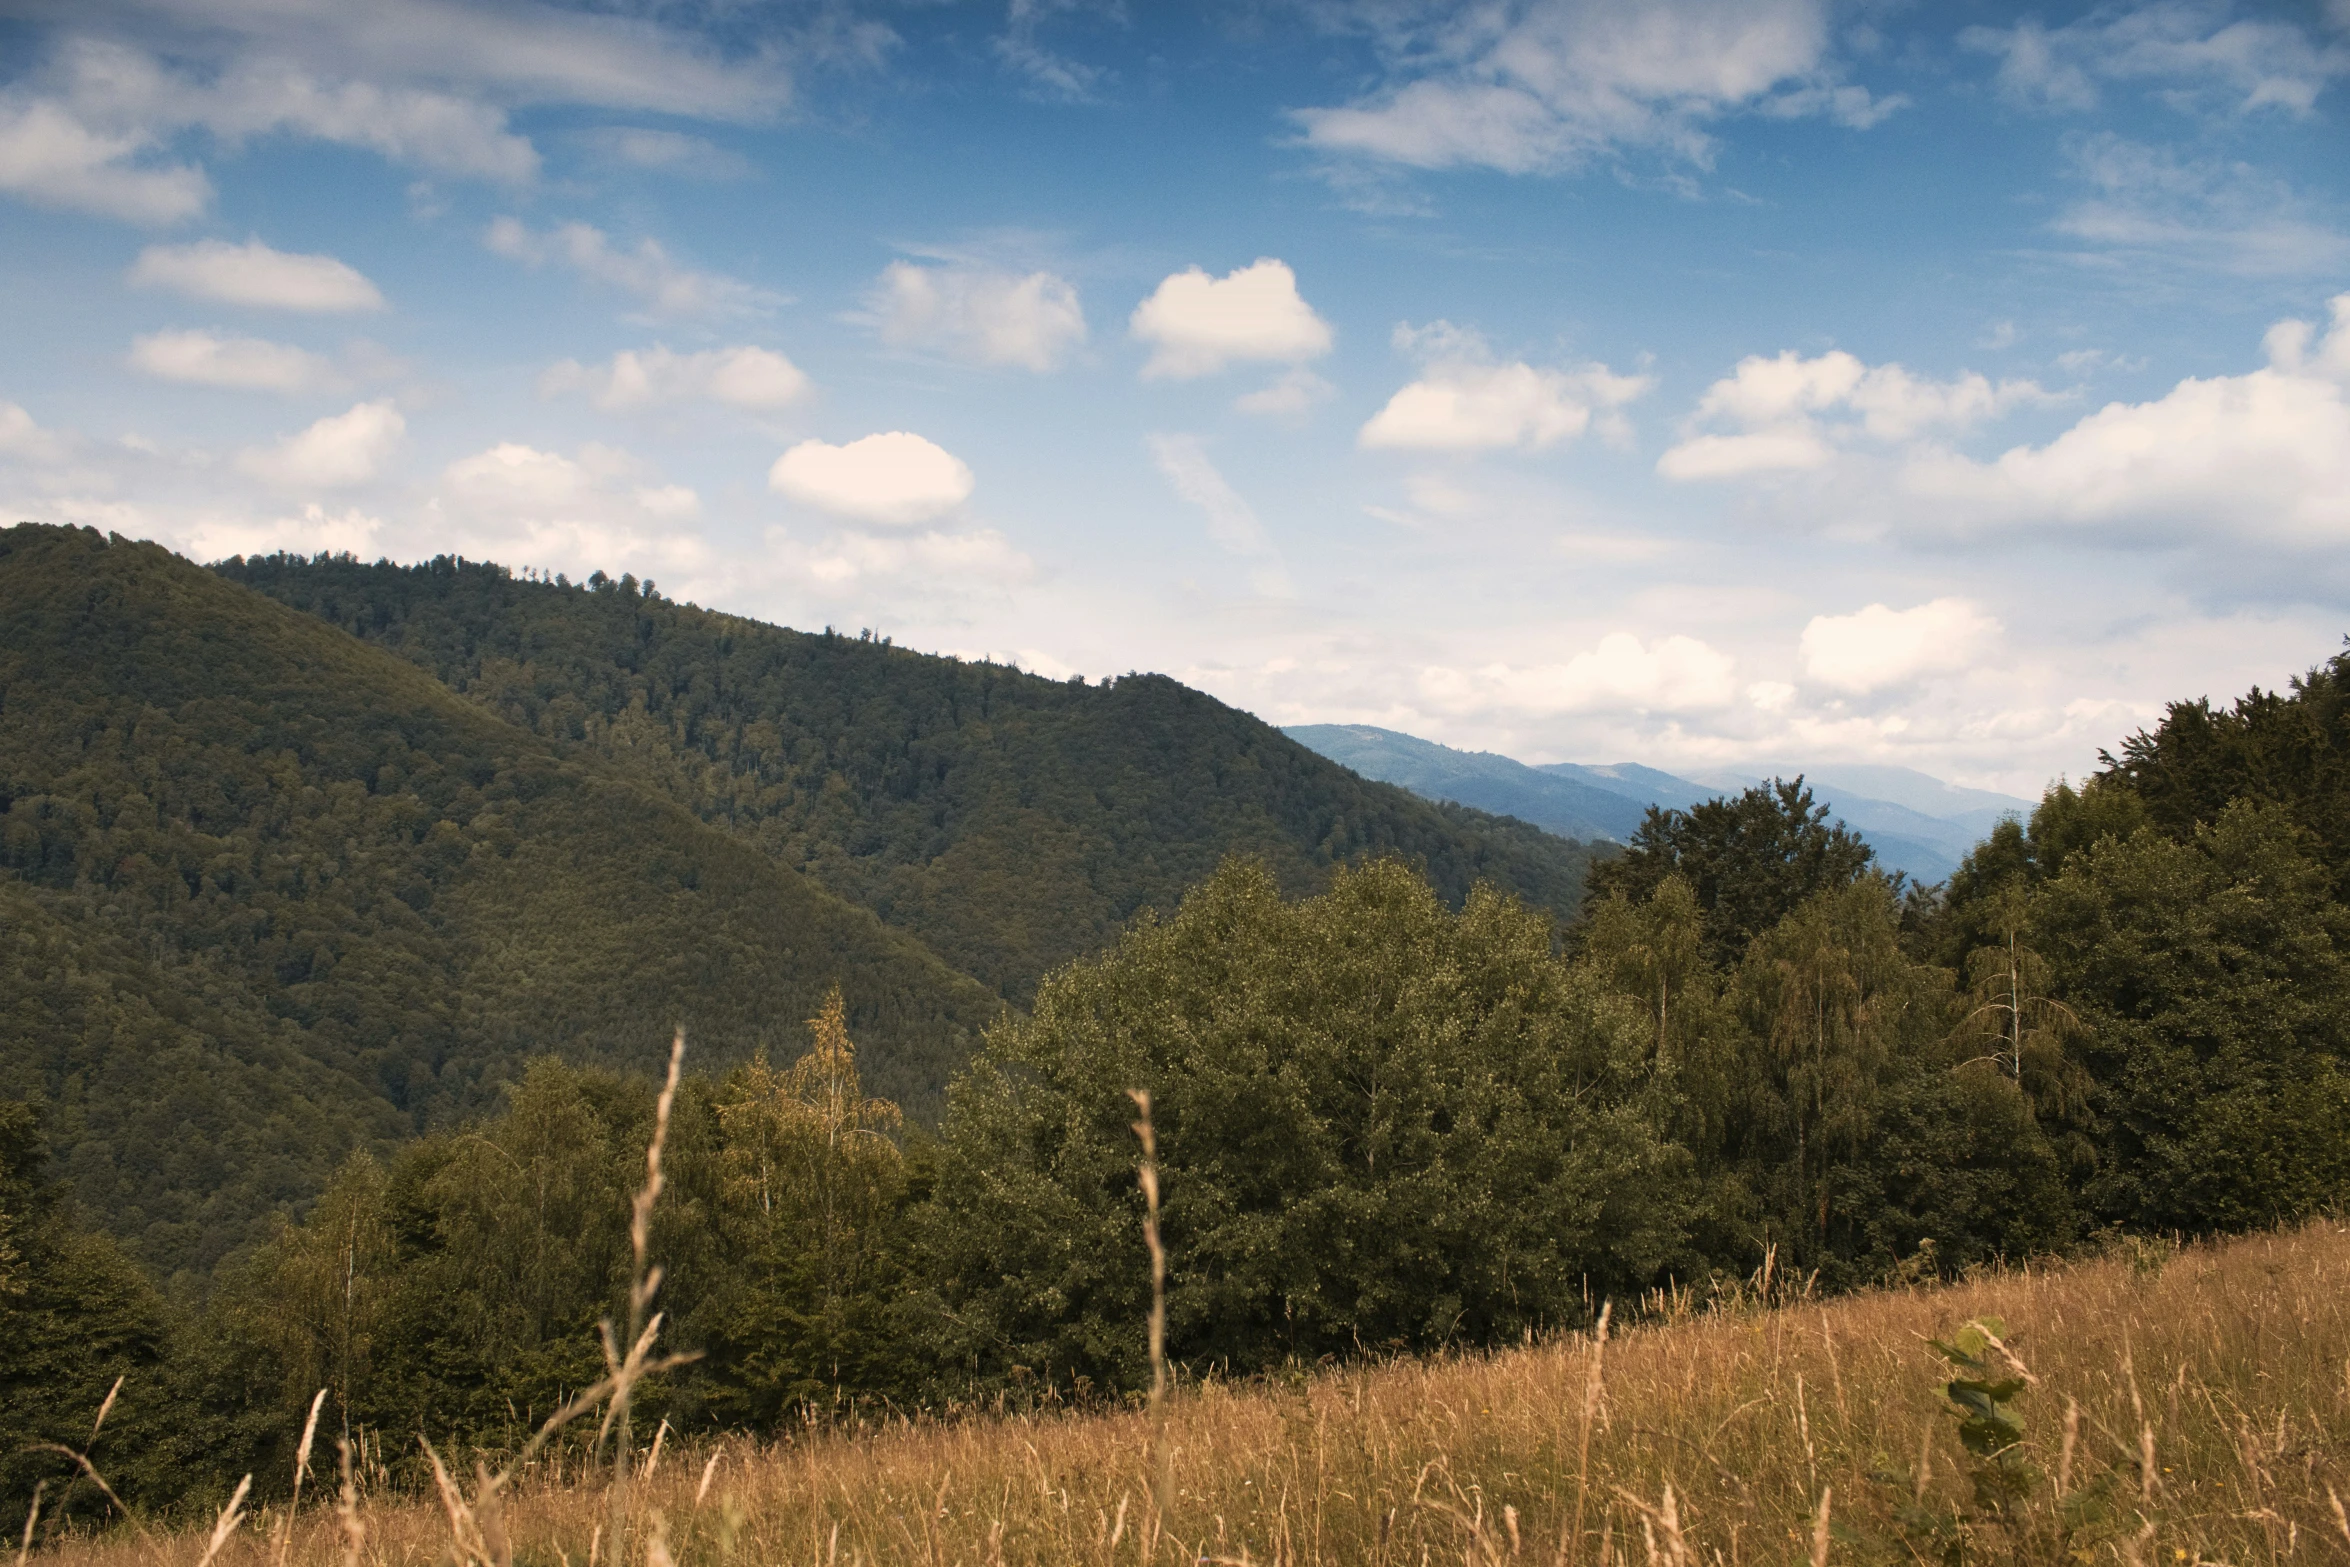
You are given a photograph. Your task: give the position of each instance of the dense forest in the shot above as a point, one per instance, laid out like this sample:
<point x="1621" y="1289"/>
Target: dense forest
<point x="1010" y="822"/>
<point x="1389" y="1119"/>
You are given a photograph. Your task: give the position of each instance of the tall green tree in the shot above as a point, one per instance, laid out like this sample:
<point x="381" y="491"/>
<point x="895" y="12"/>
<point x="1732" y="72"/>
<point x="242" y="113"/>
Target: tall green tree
<point x="1380" y="1124"/>
<point x="1748" y="859"/>
<point x="2214" y="976"/>
<point x="813" y="1186"/>
<point x="76" y="1316"/>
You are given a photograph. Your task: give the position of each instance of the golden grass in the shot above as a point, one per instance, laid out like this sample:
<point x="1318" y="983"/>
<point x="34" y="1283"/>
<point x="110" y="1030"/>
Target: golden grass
<point x="2209" y="1421"/>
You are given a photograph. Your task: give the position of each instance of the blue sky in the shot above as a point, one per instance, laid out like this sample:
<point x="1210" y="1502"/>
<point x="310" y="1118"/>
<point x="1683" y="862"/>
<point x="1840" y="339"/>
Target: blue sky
<point x="1695" y="383"/>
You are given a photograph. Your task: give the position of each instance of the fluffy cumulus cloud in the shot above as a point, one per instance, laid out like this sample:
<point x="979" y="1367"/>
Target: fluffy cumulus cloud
<point x="337" y="452"/>
<point x="1546" y="86"/>
<point x="249" y="364"/>
<point x="1878" y="648"/>
<point x="2216" y="462"/>
<point x="893" y="479"/>
<point x="990" y="316"/>
<point x="216" y="536"/>
<point x="1793" y="413"/>
<point x="1622" y="674"/>
<point x="252" y="274"/>
<point x="757" y="380"/>
<point x="1197" y="325"/>
<point x="596" y="508"/>
<point x="666" y="289"/>
<point x="1465" y="400"/>
<point x="2196" y="51"/>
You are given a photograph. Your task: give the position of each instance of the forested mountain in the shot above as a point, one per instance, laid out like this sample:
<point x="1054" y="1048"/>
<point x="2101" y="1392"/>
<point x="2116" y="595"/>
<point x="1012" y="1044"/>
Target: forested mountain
<point x="1009" y="821"/>
<point x="268" y="893"/>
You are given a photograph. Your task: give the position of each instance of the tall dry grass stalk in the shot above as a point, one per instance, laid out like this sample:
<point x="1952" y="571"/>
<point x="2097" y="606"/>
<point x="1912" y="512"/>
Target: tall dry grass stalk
<point x="1162" y="1457"/>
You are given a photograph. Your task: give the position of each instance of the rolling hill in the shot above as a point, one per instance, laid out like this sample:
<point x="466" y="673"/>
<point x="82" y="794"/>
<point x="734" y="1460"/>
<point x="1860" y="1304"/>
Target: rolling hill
<point x="1010" y="822"/>
<point x="271" y="894"/>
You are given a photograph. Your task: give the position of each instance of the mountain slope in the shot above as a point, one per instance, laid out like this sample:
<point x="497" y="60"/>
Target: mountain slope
<point x="1010" y="822"/>
<point x="1551" y="800"/>
<point x="267" y="894"/>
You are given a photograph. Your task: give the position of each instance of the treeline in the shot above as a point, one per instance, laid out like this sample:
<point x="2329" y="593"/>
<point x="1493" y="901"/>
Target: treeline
<point x="1010" y="822"/>
<point x="1385" y="1125"/>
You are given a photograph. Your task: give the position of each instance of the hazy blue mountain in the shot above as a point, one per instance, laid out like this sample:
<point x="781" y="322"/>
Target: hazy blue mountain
<point x="1635" y="782"/>
<point x="1569" y="806"/>
<point x="1917" y="823"/>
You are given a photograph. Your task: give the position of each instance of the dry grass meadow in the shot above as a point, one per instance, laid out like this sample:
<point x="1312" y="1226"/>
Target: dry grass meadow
<point x="2184" y="1406"/>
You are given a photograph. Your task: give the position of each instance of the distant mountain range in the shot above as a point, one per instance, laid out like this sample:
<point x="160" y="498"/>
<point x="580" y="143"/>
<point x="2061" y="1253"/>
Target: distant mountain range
<point x="1915" y="822"/>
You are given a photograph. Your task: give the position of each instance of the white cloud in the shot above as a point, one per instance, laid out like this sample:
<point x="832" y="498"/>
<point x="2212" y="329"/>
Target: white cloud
<point x="892" y="479"/>
<point x="666" y="152"/>
<point x="253" y="274"/>
<point x="1877" y="647"/>
<point x="424" y="82"/>
<point x="250" y="364"/>
<point x="338" y="451"/>
<point x="1464" y="401"/>
<point x="2262" y="456"/>
<point x="1621" y="674"/>
<point x="1183" y="462"/>
<point x="983" y="314"/>
<point x="1546" y="86"/>
<point x="21" y="437"/>
<point x="314" y="529"/>
<point x="1777" y="407"/>
<point x="1296" y="390"/>
<point x="862" y="561"/>
<point x="50" y="158"/>
<point x="755" y="379"/>
<point x="667" y="289"/>
<point x="520" y="504"/>
<point x="2229" y="216"/>
<point x="2196" y="52"/>
<point x="1051" y="75"/>
<point x="1197" y="324"/>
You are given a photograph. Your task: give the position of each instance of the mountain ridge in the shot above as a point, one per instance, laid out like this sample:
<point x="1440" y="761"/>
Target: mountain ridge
<point x="1566" y="796"/>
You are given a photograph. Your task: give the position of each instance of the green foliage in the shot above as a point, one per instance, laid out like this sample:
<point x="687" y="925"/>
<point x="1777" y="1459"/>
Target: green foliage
<point x="1381" y="1125"/>
<point x="2290" y="750"/>
<point x="1749" y="861"/>
<point x="459" y="1290"/>
<point x="75" y="1314"/>
<point x="1010" y="822"/>
<point x="2215" y="977"/>
<point x="270" y="895"/>
<point x="2171" y="937"/>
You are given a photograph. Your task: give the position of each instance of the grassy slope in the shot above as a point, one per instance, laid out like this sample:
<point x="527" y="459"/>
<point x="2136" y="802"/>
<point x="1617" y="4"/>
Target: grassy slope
<point x="267" y="892"/>
<point x="1010" y="822"/>
<point x="2224" y="1363"/>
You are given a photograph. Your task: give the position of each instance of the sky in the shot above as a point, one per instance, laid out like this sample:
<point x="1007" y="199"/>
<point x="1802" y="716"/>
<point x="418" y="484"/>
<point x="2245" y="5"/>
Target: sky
<point x="1703" y="383"/>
